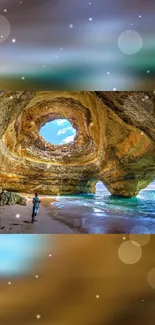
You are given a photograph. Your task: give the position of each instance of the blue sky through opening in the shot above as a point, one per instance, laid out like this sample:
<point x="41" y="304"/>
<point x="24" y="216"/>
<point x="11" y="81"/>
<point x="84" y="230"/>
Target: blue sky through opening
<point x="58" y="132"/>
<point x="100" y="186"/>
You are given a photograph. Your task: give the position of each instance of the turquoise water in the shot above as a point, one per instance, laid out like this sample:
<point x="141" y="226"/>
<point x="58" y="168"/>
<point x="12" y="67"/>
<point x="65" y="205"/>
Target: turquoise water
<point x="141" y="206"/>
<point x="103" y="213"/>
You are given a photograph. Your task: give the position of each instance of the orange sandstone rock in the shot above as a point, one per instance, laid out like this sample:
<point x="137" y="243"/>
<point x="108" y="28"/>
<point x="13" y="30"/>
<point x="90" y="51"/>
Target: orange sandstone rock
<point x="114" y="142"/>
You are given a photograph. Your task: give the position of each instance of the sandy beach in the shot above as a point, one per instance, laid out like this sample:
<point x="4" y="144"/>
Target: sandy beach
<point x="64" y="215"/>
<point x="16" y="219"/>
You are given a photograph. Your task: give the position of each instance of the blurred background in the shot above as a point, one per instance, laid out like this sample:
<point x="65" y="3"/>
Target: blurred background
<point x="72" y="279"/>
<point x="77" y="45"/>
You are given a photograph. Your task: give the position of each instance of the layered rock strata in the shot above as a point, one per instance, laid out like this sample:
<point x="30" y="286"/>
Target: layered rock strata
<point x="114" y="143"/>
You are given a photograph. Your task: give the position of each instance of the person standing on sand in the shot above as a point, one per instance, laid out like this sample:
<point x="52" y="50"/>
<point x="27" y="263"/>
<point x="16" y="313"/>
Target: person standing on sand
<point x="35" y="210"/>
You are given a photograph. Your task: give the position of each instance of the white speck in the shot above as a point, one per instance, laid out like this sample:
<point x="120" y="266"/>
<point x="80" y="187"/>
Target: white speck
<point x="2" y="36"/>
<point x="143" y="99"/>
<point x="143" y="300"/>
<point x="114" y="89"/>
<point x="20" y="2"/>
<point x="140" y="16"/>
<point x="56" y="56"/>
<point x="5" y="10"/>
<point x="37" y="276"/>
<point x="50" y="255"/>
<point x="13" y="40"/>
<point x="97" y="296"/>
<point x="90" y="3"/>
<point x="17" y="215"/>
<point x="142" y="133"/>
<point x="70" y="26"/>
<point x="9" y="282"/>
<point x="11" y="97"/>
<point x="108" y="72"/>
<point x="61" y="49"/>
<point x="90" y="18"/>
<point x="23" y="78"/>
<point x="124" y="238"/>
<point x="146" y="97"/>
<point x="38" y="316"/>
<point x="148" y="71"/>
<point x="131" y="24"/>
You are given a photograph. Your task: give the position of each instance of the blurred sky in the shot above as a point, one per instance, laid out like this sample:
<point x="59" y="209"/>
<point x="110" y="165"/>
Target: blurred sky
<point x="19" y="253"/>
<point x="55" y="44"/>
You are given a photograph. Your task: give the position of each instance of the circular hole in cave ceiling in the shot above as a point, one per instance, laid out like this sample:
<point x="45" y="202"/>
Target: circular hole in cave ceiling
<point x="58" y="132"/>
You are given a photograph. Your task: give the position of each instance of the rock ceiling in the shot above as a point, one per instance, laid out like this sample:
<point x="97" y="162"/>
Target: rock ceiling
<point x="114" y="142"/>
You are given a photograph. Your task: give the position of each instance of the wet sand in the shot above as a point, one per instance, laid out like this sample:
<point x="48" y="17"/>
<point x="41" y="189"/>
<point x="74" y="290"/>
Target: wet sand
<point x="90" y="222"/>
<point x="55" y="218"/>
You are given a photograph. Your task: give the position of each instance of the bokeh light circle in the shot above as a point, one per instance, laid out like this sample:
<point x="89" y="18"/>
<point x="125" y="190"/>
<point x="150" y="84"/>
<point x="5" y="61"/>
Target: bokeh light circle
<point x="140" y="234"/>
<point x="130" y="42"/>
<point x="151" y="278"/>
<point x="5" y="29"/>
<point x="129" y="252"/>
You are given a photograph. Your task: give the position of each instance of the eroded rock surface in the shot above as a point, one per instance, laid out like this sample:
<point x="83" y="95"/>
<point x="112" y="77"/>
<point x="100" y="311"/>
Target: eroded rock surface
<point x="114" y="142"/>
<point x="9" y="198"/>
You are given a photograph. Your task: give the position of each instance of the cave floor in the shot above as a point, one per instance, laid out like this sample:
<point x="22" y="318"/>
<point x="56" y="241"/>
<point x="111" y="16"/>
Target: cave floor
<point x="69" y="216"/>
<point x="16" y="219"/>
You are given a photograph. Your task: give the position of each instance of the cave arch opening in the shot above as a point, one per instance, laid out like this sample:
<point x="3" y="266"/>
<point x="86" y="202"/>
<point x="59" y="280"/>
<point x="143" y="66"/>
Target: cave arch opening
<point x="150" y="187"/>
<point x="58" y="132"/>
<point x="100" y="187"/>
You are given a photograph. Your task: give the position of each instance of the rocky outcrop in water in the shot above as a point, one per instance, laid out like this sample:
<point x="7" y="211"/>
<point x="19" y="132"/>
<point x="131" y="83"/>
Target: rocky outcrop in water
<point x="114" y="143"/>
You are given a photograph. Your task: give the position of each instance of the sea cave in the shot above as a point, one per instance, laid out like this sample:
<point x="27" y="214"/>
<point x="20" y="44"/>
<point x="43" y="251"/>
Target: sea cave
<point x="112" y="142"/>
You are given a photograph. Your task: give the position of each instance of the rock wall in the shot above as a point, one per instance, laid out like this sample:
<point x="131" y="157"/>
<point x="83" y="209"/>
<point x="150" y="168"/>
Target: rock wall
<point x="114" y="142"/>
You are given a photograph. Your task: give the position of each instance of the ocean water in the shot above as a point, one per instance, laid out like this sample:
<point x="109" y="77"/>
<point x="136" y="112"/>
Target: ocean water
<point x="104" y="213"/>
